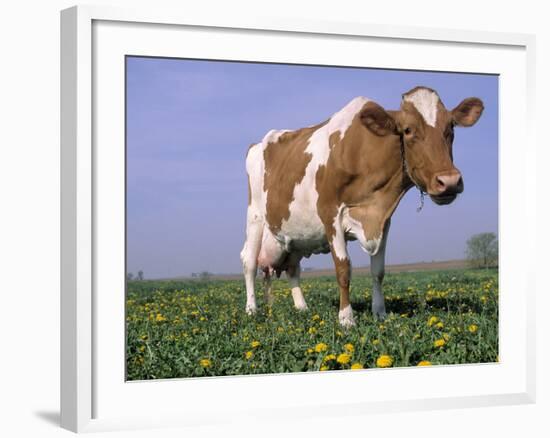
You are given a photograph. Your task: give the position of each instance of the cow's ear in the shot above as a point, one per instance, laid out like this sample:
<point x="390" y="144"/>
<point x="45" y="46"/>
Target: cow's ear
<point x="377" y="120"/>
<point x="467" y="112"/>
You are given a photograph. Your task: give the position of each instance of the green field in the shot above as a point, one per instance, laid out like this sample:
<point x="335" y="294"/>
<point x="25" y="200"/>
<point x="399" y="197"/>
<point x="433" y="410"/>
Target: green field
<point x="193" y="328"/>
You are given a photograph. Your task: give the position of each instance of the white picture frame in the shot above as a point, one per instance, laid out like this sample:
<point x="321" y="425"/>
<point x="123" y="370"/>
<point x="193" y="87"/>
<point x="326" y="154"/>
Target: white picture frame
<point x="93" y="390"/>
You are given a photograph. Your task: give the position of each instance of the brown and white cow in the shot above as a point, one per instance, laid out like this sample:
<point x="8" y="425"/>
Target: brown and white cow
<point x="313" y="189"/>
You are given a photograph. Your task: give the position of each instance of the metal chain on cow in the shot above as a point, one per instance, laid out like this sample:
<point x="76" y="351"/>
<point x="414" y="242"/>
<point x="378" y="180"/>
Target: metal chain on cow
<point x="406" y="170"/>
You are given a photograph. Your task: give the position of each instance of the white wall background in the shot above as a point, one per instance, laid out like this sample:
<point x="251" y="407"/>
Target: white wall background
<point x="29" y="219"/>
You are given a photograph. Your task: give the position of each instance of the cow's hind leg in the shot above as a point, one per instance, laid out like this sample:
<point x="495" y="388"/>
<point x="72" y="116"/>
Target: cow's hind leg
<point x="293" y="274"/>
<point x="249" y="257"/>
<point x="377" y="269"/>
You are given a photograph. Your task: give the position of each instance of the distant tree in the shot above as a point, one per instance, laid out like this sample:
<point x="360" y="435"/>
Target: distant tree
<point x="129" y="276"/>
<point x="482" y="250"/>
<point x="140" y="275"/>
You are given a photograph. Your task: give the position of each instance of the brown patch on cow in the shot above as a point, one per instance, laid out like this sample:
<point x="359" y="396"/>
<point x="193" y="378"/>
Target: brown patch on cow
<point x="285" y="167"/>
<point x="364" y="172"/>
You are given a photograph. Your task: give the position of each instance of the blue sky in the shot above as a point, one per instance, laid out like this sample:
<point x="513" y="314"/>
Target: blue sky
<point x="189" y="125"/>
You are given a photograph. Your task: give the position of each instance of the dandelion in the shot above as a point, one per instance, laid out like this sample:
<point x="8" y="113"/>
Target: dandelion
<point x="312" y="330"/>
<point x="472" y="328"/>
<point x="205" y="363"/>
<point x="439" y="343"/>
<point x="315" y="317"/>
<point x="384" y="361"/>
<point x="375" y="341"/>
<point x="255" y="344"/>
<point x="249" y="354"/>
<point x="321" y="347"/>
<point x="432" y="320"/>
<point x="324" y="368"/>
<point x="343" y="358"/>
<point x="440" y="325"/>
<point x="356" y="366"/>
<point x="160" y="318"/>
<point x="349" y="348"/>
<point x="309" y="350"/>
<point x="329" y="357"/>
<point x="424" y="363"/>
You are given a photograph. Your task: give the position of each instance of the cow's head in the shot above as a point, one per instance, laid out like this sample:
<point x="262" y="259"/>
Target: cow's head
<point x="426" y="129"/>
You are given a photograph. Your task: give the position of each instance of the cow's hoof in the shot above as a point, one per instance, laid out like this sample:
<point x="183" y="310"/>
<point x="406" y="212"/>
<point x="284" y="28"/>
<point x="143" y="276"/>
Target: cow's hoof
<point x="301" y="307"/>
<point x="345" y="316"/>
<point x="251" y="310"/>
<point x="380" y="316"/>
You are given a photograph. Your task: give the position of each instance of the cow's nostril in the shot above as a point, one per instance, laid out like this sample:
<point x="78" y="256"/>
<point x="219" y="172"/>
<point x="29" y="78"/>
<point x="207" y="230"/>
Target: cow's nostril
<point x="440" y="182"/>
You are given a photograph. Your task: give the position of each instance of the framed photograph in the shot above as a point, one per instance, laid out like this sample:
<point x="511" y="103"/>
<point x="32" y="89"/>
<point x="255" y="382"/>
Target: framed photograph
<point x="220" y="176"/>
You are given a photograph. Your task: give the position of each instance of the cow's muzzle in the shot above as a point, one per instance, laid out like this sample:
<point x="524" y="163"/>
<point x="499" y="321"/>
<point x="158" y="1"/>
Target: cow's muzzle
<point x="446" y="186"/>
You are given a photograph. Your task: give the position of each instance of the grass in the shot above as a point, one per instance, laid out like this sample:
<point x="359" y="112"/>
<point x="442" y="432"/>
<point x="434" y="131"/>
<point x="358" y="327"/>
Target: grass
<point x="193" y="328"/>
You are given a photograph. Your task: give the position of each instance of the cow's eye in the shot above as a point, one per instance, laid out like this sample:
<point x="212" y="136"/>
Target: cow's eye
<point x="407" y="131"/>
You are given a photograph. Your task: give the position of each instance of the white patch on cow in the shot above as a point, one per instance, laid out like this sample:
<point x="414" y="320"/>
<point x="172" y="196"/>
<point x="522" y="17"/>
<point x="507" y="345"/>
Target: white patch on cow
<point x="273" y="136"/>
<point x="355" y="228"/>
<point x="339" y="240"/>
<point x="425" y="102"/>
<point x="345" y="316"/>
<point x="304" y="227"/>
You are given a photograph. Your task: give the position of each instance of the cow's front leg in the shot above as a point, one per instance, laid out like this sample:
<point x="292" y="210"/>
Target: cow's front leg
<point x="342" y="266"/>
<point x="343" y="276"/>
<point x="377" y="269"/>
<point x="293" y="274"/>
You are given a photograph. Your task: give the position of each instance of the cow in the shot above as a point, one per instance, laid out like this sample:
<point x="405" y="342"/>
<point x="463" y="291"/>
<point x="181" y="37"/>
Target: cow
<point x="312" y="190"/>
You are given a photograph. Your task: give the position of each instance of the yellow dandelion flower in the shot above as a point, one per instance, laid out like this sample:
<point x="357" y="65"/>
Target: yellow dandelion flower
<point x="205" y="363"/>
<point x="349" y="348"/>
<point x="312" y="330"/>
<point x="472" y="328"/>
<point x="329" y="357"/>
<point x="357" y="366"/>
<point x="375" y="341"/>
<point x="439" y="343"/>
<point x="432" y="320"/>
<point x="249" y="354"/>
<point x="440" y="325"/>
<point x="424" y="363"/>
<point x="309" y="350"/>
<point x="315" y="317"/>
<point x="321" y="347"/>
<point x="324" y="368"/>
<point x="343" y="358"/>
<point x="160" y="318"/>
<point x="446" y="337"/>
<point x="384" y="361"/>
<point x="255" y="344"/>
<point x="322" y="322"/>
